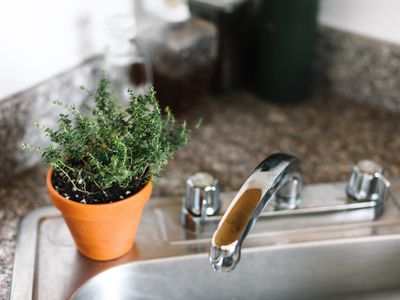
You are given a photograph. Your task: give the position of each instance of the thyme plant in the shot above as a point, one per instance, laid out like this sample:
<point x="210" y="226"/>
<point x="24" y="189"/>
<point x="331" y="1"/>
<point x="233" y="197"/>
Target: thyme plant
<point x="113" y="147"/>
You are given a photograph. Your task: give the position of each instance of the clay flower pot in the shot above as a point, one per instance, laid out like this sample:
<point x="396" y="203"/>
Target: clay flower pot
<point x="102" y="231"/>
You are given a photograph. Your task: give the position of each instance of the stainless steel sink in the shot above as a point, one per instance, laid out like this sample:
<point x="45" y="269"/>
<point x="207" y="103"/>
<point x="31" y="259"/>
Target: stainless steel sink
<point x="365" y="268"/>
<point x="324" y="255"/>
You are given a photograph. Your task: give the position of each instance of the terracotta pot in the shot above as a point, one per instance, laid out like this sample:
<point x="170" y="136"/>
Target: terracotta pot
<point x="102" y="231"/>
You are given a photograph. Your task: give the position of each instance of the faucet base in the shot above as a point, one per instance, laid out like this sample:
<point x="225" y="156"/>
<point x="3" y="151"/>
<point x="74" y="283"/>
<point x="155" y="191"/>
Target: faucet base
<point x="323" y="204"/>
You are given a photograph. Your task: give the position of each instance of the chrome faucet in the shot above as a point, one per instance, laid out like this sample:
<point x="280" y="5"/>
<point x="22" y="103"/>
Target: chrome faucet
<point x="278" y="175"/>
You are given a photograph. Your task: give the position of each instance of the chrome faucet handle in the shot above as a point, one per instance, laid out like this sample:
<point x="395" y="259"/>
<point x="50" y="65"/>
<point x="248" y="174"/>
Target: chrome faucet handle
<point x="288" y="196"/>
<point x="367" y="183"/>
<point x="274" y="173"/>
<point x="202" y="199"/>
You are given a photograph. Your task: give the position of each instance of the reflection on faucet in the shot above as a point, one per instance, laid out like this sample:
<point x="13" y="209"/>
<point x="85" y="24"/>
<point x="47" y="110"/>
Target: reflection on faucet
<point x="278" y="174"/>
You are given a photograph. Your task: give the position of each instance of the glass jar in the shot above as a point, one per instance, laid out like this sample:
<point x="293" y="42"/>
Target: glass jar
<point x="125" y="62"/>
<point x="182" y="51"/>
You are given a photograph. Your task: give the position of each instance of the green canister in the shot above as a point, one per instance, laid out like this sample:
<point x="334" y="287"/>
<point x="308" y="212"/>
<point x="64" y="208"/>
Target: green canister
<point x="287" y="31"/>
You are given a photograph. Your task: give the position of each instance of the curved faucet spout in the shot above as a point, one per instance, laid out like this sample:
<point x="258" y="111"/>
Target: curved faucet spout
<point x="279" y="173"/>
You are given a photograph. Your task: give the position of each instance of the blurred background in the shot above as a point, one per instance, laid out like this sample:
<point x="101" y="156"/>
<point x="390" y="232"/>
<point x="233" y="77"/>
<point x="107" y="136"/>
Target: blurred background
<point x="43" y="39"/>
<point x="318" y="79"/>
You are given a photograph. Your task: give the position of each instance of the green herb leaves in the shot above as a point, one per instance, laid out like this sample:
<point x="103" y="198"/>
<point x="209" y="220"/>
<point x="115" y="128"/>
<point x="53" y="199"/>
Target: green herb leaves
<point x="112" y="145"/>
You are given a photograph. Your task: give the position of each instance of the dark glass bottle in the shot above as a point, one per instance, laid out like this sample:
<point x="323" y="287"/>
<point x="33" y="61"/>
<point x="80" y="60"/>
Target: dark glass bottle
<point x="182" y="50"/>
<point x="235" y="24"/>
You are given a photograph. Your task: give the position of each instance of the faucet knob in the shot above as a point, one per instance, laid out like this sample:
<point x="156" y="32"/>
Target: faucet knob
<point x="202" y="199"/>
<point x="367" y="183"/>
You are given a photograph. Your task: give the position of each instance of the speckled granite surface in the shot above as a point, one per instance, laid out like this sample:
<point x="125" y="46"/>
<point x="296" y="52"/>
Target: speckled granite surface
<point x="359" y="67"/>
<point x="327" y="133"/>
<point x="18" y="113"/>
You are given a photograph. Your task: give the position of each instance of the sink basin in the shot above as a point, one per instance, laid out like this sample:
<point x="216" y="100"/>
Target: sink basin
<point x="304" y="256"/>
<point x="362" y="268"/>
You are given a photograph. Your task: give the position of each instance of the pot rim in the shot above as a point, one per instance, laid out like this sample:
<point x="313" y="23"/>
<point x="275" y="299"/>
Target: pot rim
<point x="81" y="205"/>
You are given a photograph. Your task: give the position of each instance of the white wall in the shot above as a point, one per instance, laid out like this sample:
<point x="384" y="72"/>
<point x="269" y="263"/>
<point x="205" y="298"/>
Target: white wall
<point x="374" y="18"/>
<point x="41" y="38"/>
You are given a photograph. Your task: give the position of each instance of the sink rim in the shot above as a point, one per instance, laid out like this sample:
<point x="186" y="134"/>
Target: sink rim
<point x="269" y="248"/>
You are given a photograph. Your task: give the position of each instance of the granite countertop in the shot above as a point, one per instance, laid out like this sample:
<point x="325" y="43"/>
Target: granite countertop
<point x="327" y="133"/>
